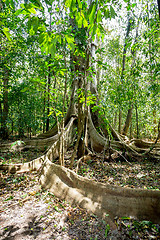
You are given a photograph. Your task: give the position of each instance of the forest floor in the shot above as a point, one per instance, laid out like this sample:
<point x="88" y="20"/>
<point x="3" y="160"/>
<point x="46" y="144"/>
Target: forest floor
<point x="29" y="212"/>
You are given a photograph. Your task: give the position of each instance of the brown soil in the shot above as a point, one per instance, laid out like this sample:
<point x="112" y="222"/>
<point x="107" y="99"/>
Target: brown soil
<point x="29" y="212"/>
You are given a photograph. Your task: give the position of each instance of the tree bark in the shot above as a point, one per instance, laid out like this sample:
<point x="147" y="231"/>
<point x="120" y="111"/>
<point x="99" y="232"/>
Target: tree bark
<point x="4" y="128"/>
<point x="48" y="100"/>
<point x="115" y="120"/>
<point x="137" y="122"/>
<point x="120" y="121"/>
<point x="44" y="108"/>
<point x="127" y="122"/>
<point x="125" y="47"/>
<point x="97" y="197"/>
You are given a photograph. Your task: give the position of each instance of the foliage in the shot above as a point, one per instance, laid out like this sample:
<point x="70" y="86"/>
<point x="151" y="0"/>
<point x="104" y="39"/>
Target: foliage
<point x="38" y="38"/>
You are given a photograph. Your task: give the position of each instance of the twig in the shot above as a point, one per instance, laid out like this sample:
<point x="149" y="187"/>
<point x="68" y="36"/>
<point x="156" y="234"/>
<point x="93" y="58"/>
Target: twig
<point x="121" y="155"/>
<point x="14" y="204"/>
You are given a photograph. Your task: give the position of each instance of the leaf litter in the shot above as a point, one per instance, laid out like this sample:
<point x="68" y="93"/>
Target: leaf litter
<point x="29" y="212"/>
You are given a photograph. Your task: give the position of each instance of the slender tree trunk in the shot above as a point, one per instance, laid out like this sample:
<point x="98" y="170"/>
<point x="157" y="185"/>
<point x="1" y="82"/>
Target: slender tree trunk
<point x="123" y="66"/>
<point x="127" y="122"/>
<point x="80" y="148"/>
<point x="12" y="127"/>
<point x="131" y="129"/>
<point x="137" y="123"/>
<point x="62" y="130"/>
<point x="154" y="122"/>
<point x="115" y="121"/>
<point x="49" y="80"/>
<point x="44" y="109"/>
<point x="48" y="100"/>
<point x="129" y="115"/>
<point x="120" y="121"/>
<point x="4" y="129"/>
<point x="125" y="47"/>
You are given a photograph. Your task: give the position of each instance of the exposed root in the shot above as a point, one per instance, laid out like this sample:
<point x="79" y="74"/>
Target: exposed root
<point x="99" y="198"/>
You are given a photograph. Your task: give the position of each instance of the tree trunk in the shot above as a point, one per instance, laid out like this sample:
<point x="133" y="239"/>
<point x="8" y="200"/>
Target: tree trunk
<point x="129" y="114"/>
<point x="4" y="128"/>
<point x="154" y="121"/>
<point x="137" y="123"/>
<point x="115" y="121"/>
<point x="44" y="109"/>
<point x="48" y="100"/>
<point x="131" y="129"/>
<point x="64" y="183"/>
<point x="127" y="122"/>
<point x="49" y="76"/>
<point x="125" y="47"/>
<point x="120" y="121"/>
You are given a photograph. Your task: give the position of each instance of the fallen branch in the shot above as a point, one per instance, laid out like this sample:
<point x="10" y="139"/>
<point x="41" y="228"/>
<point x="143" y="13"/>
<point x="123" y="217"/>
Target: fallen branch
<point x="121" y="156"/>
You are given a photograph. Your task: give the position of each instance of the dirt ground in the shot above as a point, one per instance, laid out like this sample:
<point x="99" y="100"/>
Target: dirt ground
<point x="29" y="212"/>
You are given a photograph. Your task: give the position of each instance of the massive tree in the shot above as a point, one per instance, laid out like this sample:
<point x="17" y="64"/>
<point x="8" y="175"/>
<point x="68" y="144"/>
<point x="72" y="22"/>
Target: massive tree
<point x="78" y="43"/>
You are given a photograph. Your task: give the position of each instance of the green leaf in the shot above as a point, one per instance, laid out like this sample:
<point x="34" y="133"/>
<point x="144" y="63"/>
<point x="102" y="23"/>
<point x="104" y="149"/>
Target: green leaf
<point x="24" y="196"/>
<point x="56" y="208"/>
<point x="113" y="13"/>
<point x="134" y="4"/>
<point x="68" y="3"/>
<point x="90" y="9"/>
<point x="35" y="23"/>
<point x="85" y="23"/>
<point x="79" y="4"/>
<point x="73" y="6"/>
<point x="101" y="28"/>
<point x="32" y="10"/>
<point x="99" y="18"/>
<point x="94" y="30"/>
<point x="25" y="89"/>
<point x="6" y="32"/>
<point x="125" y="218"/>
<point x="52" y="49"/>
<point x="59" y="39"/>
<point x="37" y="3"/>
<point x="19" y="11"/>
<point x="92" y="14"/>
<point x="49" y="2"/>
<point x="106" y="13"/>
<point x="79" y="22"/>
<point x="10" y="198"/>
<point x="17" y="143"/>
<point x="70" y="41"/>
<point x="107" y="230"/>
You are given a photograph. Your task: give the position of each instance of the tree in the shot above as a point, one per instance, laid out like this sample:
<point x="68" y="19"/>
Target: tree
<point x="78" y="43"/>
<point x="83" y="26"/>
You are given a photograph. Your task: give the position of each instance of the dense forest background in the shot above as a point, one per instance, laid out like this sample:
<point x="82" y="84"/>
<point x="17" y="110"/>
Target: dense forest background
<point x="38" y="40"/>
